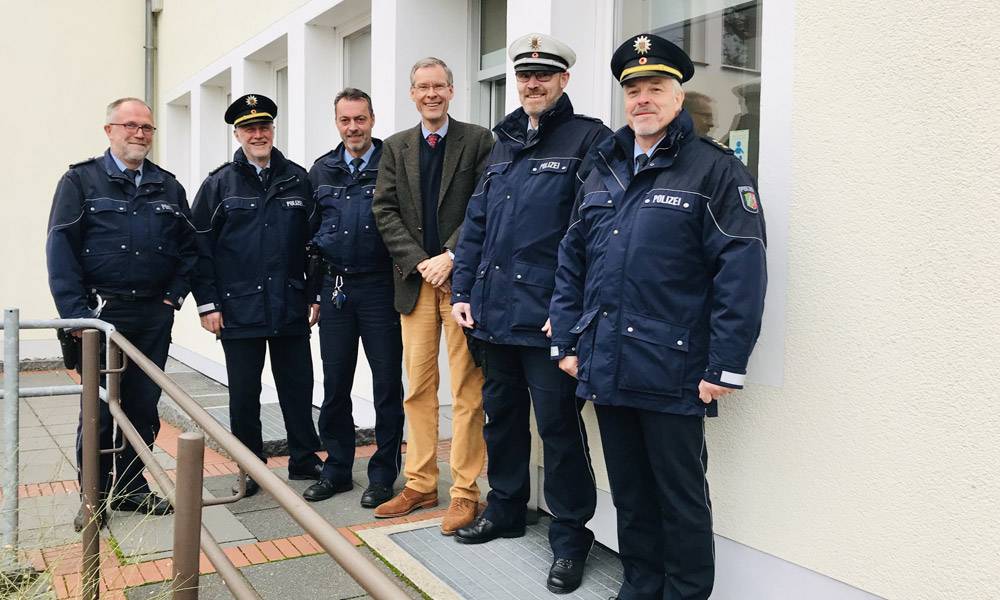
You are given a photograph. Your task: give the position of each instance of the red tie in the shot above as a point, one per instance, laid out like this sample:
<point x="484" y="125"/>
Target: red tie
<point x="432" y="139"/>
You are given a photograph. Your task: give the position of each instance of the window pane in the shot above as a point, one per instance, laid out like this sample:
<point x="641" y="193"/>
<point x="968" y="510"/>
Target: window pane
<point x="492" y="33"/>
<point x="722" y="37"/>
<point x="358" y="66"/>
<point x="499" y="97"/>
<point x="281" y="98"/>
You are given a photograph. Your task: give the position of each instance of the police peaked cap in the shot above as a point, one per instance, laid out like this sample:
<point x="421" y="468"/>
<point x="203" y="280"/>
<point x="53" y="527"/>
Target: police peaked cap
<point x="648" y="55"/>
<point x="540" y="52"/>
<point x="252" y="108"/>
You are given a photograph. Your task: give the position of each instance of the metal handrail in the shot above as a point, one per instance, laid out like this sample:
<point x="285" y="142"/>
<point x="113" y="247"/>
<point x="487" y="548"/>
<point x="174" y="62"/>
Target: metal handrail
<point x="189" y="532"/>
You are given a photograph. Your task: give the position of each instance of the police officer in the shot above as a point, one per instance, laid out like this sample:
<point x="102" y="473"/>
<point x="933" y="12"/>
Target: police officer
<point x="252" y="217"/>
<point x="504" y="274"/>
<point x="657" y="306"/>
<point x="120" y="247"/>
<point x="357" y="300"/>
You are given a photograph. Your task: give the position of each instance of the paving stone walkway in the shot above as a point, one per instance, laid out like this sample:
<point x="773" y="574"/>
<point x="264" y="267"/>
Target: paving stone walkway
<point x="261" y="539"/>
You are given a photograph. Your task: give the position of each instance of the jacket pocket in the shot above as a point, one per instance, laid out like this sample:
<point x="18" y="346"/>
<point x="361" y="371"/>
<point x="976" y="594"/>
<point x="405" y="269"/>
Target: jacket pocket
<point x="243" y="304"/>
<point x="531" y="290"/>
<point x="477" y="295"/>
<point x="653" y="355"/>
<point x="105" y="259"/>
<point x="585" y="330"/>
<point x="296" y="306"/>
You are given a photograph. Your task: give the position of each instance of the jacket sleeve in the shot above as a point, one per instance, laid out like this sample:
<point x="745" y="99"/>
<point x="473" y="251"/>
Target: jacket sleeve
<point x="469" y="249"/>
<point x="484" y="148"/>
<point x="735" y="247"/>
<point x="406" y="251"/>
<point x="63" y="249"/>
<point x="180" y="284"/>
<point x="566" y="305"/>
<point x="208" y="220"/>
<point x="314" y="273"/>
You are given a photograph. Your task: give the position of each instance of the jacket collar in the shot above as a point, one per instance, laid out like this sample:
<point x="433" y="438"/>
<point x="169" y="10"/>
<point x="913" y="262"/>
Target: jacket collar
<point x="150" y="172"/>
<point x="278" y="161"/>
<point x="679" y="130"/>
<point x="335" y="158"/>
<point x="514" y="126"/>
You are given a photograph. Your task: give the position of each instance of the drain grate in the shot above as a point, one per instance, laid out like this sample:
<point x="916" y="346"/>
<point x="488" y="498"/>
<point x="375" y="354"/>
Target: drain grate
<point x="506" y="568"/>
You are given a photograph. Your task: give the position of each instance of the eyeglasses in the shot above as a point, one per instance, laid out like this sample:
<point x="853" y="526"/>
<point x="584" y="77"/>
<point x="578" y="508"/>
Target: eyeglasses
<point x="425" y="88"/>
<point x="133" y="127"/>
<point x="540" y="76"/>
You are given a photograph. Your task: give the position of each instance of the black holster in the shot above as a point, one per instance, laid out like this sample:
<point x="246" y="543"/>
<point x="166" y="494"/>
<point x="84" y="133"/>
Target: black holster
<point x="70" y="348"/>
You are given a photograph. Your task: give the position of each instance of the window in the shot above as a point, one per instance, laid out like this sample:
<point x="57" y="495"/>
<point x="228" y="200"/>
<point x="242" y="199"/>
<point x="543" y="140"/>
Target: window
<point x="281" y="99"/>
<point x="490" y="19"/>
<point x="358" y="60"/>
<point x="723" y="97"/>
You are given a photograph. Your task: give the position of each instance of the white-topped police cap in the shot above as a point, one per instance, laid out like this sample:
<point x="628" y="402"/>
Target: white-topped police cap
<point x="540" y="52"/>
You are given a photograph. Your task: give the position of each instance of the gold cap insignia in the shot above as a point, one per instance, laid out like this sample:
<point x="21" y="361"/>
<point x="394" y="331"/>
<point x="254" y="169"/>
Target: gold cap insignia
<point x="642" y="45"/>
<point x="536" y="42"/>
<point x="251" y="100"/>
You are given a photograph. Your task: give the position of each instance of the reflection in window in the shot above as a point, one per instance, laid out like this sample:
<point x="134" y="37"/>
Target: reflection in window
<point x="723" y="40"/>
<point x="492" y="33"/>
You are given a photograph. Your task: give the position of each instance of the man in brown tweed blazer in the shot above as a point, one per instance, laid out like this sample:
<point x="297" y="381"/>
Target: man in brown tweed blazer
<point x="426" y="177"/>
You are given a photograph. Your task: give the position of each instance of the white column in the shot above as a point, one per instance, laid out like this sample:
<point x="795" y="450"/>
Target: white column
<point x="295" y="114"/>
<point x="322" y="54"/>
<point x="211" y="142"/>
<point x="177" y="151"/>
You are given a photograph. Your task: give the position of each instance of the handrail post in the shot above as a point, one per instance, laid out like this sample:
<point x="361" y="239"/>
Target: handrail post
<point x="187" y="514"/>
<point x="8" y="516"/>
<point x="89" y="578"/>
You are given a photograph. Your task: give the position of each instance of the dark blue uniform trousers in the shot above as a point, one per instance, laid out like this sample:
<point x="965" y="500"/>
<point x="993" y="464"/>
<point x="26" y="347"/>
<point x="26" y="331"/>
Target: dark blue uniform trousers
<point x="656" y="466"/>
<point x="147" y="324"/>
<point x="518" y="377"/>
<point x="367" y="313"/>
<point x="291" y="364"/>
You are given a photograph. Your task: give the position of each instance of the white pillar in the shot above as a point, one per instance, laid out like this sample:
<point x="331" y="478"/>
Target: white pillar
<point x="322" y="55"/>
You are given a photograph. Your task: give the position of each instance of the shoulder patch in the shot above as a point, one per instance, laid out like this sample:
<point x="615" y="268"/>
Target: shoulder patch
<point x="589" y="118"/>
<point x="219" y="168"/>
<point x="716" y="144"/>
<point x="83" y="162"/>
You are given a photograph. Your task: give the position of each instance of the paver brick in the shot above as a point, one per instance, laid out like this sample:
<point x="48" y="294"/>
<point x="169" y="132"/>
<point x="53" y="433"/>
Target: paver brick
<point x="270" y="551"/>
<point x="253" y="554"/>
<point x="286" y="548"/>
<point x="236" y="555"/>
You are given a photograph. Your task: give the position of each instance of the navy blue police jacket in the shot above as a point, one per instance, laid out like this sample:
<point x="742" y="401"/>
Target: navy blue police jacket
<point x="252" y="247"/>
<point x="347" y="237"/>
<point x="662" y="274"/>
<point x="506" y="255"/>
<point x="107" y="235"/>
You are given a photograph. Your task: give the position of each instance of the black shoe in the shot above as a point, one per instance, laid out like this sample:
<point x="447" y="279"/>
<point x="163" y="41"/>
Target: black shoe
<point x="325" y="488"/>
<point x="313" y="472"/>
<point x="80" y="520"/>
<point x="150" y="503"/>
<point x="252" y="487"/>
<point x="565" y="575"/>
<point x="375" y="495"/>
<point x="483" y="530"/>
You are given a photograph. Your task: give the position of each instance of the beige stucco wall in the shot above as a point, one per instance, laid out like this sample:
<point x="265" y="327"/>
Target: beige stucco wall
<point x="63" y="63"/>
<point x="876" y="461"/>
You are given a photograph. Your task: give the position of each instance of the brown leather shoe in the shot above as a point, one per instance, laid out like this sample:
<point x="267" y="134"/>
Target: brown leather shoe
<point x="405" y="502"/>
<point x="461" y="512"/>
